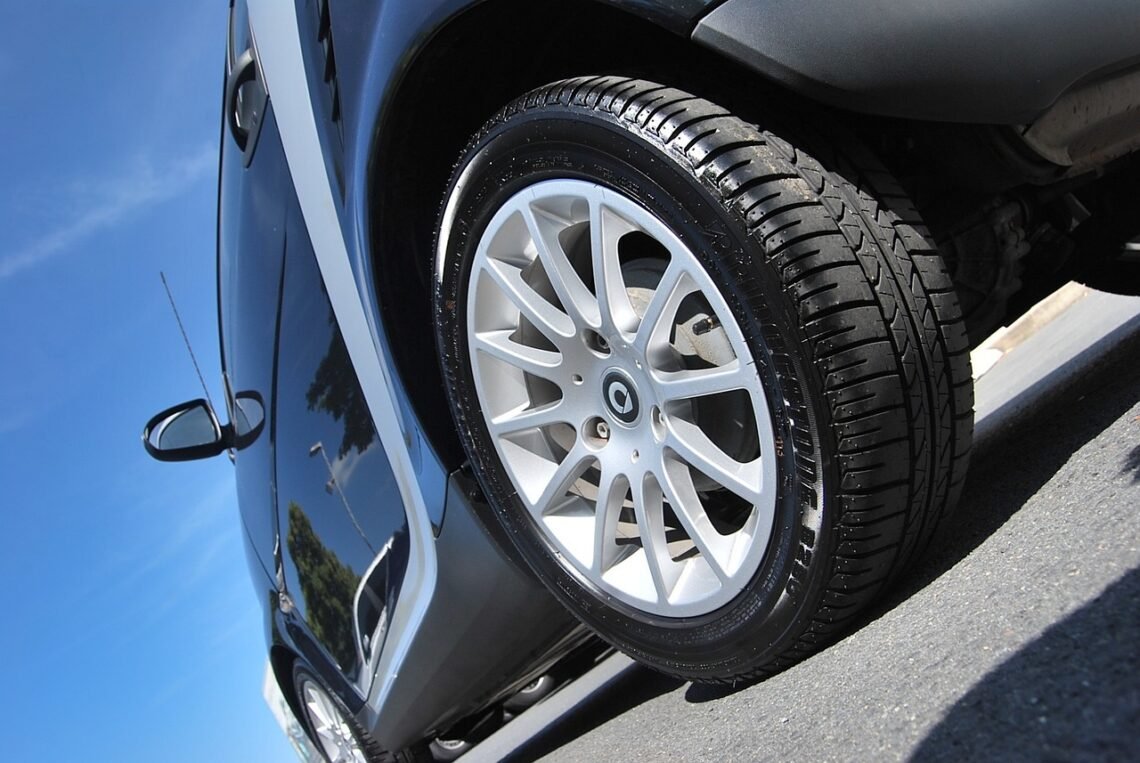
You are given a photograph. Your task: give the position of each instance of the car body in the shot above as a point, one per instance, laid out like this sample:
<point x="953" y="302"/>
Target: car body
<point x="367" y="531"/>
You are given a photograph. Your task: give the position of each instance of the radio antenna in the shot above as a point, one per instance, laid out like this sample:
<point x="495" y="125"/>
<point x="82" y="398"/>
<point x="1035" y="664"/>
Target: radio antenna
<point x="185" y="338"/>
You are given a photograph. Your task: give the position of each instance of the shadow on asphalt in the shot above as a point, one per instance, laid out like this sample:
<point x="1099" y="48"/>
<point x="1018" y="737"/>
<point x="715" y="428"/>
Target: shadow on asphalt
<point x="632" y="687"/>
<point x="1071" y="694"/>
<point x="1132" y="464"/>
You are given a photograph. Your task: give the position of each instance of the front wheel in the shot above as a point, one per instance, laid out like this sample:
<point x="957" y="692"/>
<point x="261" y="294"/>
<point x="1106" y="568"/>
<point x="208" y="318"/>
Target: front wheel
<point x="716" y="391"/>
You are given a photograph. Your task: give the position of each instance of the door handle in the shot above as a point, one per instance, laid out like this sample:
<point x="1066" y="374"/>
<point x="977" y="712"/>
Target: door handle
<point x="244" y="71"/>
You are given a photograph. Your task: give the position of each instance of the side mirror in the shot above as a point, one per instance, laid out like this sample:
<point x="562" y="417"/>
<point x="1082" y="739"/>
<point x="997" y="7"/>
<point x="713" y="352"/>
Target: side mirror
<point x="185" y="432"/>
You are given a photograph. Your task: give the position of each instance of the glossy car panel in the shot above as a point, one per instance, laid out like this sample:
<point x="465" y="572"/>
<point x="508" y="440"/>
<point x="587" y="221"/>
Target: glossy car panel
<point x="251" y="251"/>
<point x="338" y="506"/>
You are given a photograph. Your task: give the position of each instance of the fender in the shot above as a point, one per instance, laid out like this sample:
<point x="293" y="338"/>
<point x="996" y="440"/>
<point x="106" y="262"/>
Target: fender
<point x="980" y="61"/>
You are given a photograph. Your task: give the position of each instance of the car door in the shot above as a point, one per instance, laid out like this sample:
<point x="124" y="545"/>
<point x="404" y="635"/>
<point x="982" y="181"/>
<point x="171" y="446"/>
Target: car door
<point x="251" y="251"/>
<point x="343" y="530"/>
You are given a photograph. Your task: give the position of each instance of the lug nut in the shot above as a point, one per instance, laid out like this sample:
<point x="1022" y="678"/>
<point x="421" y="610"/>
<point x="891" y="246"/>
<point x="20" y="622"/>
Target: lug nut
<point x="603" y="430"/>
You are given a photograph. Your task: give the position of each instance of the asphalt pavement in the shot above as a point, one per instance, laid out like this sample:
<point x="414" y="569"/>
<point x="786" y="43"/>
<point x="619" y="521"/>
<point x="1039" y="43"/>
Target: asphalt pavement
<point x="1017" y="637"/>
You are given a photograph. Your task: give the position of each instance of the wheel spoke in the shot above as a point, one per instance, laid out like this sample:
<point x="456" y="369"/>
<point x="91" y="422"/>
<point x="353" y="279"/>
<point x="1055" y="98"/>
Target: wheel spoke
<point x="677" y="486"/>
<point x="694" y="446"/>
<point x="532" y="360"/>
<point x="318" y="710"/>
<point x="552" y="322"/>
<point x="563" y="476"/>
<point x="681" y="385"/>
<point x="522" y="418"/>
<point x="606" y="228"/>
<point x="648" y="507"/>
<point x="670" y="292"/>
<point x="576" y="299"/>
<point x="612" y="488"/>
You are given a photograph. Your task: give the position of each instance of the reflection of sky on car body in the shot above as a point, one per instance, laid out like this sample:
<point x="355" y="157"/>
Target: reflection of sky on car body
<point x="304" y="473"/>
<point x="126" y="580"/>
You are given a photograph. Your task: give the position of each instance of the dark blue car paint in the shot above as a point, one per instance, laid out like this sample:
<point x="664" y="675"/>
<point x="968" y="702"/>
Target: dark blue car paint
<point x="251" y="250"/>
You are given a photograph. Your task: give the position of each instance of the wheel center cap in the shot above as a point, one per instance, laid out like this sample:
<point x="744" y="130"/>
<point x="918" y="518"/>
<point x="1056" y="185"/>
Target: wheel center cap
<point x="621" y="396"/>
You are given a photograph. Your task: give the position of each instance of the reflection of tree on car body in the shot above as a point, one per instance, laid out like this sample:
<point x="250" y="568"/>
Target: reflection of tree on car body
<point x="327" y="588"/>
<point x="346" y="611"/>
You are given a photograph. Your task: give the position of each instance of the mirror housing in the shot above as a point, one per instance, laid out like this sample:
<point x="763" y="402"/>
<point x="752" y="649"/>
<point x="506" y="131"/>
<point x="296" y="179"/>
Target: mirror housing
<point x="247" y="419"/>
<point x="185" y="432"/>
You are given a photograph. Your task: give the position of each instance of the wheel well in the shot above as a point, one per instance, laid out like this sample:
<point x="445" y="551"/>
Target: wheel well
<point x="281" y="659"/>
<point x="441" y="103"/>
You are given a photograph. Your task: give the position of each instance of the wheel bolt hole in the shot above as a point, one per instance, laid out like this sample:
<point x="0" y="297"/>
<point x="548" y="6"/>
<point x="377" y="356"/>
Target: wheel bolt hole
<point x="596" y="433"/>
<point x="634" y="456"/>
<point x="576" y="378"/>
<point x="596" y="342"/>
<point x="657" y="423"/>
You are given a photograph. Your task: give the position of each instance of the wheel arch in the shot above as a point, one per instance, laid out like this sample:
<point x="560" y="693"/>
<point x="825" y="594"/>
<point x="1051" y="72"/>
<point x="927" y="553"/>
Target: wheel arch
<point x="417" y="140"/>
<point x="281" y="660"/>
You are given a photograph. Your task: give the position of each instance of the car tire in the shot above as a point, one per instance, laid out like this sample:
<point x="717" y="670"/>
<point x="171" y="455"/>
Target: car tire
<point x="445" y="750"/>
<point x="750" y="351"/>
<point x="531" y="694"/>
<point x="333" y="730"/>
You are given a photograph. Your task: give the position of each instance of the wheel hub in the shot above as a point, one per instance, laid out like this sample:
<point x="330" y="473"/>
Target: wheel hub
<point x="620" y="394"/>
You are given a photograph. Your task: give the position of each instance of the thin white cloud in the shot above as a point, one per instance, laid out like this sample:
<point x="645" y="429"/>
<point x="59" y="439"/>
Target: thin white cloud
<point x="188" y="552"/>
<point x="343" y="467"/>
<point x="173" y="541"/>
<point x="144" y="184"/>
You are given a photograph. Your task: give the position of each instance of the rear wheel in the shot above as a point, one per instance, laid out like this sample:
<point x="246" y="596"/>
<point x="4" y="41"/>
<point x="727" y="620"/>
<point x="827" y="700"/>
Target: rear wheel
<point x="715" y="390"/>
<point x="333" y="730"/>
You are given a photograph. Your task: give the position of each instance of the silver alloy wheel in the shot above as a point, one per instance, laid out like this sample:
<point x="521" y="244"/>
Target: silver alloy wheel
<point x="622" y="398"/>
<point x="334" y="734"/>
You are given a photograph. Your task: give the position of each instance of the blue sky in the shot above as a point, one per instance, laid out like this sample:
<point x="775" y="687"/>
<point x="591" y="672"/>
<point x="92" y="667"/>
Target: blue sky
<point x="130" y="628"/>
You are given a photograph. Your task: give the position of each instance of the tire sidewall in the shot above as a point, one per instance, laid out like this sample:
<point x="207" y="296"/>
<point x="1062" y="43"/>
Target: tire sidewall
<point x="521" y="148"/>
<point x="302" y="673"/>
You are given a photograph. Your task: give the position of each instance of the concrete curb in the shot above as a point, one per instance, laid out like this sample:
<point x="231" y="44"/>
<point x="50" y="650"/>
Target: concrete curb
<point x="988" y="353"/>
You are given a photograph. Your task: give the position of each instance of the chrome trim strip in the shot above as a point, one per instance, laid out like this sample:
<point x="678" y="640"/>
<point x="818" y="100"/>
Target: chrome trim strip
<point x="275" y="30"/>
<point x="368" y="658"/>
